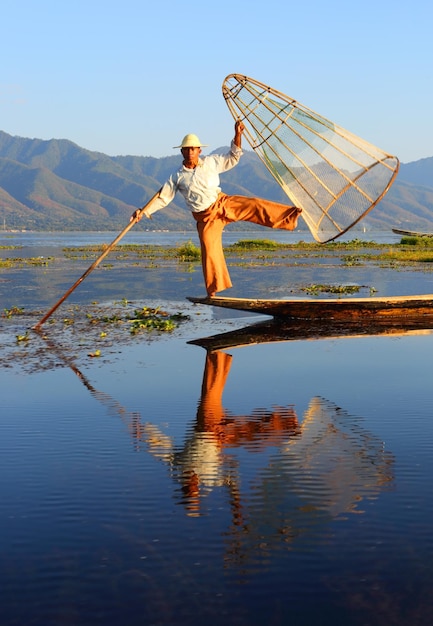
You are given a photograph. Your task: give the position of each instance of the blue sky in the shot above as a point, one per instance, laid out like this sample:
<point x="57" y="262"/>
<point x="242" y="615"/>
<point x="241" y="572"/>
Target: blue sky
<point x="134" y="76"/>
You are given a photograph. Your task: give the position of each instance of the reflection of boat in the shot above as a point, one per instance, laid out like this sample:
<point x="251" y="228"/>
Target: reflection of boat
<point x="410" y="233"/>
<point x="290" y="330"/>
<point x="360" y="309"/>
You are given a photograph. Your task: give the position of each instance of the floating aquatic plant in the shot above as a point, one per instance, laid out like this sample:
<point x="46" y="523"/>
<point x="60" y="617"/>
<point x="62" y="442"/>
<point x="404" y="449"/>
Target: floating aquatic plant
<point x="336" y="289"/>
<point x="23" y="338"/>
<point x="155" y="319"/>
<point x="15" y="310"/>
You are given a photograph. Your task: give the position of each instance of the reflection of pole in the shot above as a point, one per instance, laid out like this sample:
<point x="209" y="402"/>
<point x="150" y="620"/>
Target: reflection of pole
<point x="113" y="406"/>
<point x="66" y="360"/>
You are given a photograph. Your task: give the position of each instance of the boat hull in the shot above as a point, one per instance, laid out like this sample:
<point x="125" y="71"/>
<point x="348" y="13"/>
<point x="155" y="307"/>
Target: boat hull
<point x="386" y="308"/>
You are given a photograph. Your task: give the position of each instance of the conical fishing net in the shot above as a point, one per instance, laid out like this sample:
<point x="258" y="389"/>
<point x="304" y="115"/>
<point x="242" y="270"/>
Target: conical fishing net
<point x="333" y="175"/>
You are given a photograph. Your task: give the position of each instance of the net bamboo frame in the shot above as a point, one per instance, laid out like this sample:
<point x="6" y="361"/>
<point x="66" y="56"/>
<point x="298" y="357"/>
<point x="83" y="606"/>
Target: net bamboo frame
<point x="333" y="175"/>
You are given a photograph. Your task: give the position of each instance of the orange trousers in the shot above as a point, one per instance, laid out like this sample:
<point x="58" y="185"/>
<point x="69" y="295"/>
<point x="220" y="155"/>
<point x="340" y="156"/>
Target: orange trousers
<point x="226" y="209"/>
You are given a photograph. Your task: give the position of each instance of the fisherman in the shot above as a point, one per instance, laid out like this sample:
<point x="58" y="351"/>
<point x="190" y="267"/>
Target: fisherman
<point x="199" y="183"/>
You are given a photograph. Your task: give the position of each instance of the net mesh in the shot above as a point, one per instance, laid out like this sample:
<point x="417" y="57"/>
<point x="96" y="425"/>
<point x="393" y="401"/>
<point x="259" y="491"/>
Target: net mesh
<point x="333" y="175"/>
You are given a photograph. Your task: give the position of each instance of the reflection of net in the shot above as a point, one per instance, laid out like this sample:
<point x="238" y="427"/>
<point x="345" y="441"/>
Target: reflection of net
<point x="348" y="463"/>
<point x="334" y="176"/>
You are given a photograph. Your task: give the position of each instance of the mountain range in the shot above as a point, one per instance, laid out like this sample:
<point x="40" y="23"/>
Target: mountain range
<point x="57" y="185"/>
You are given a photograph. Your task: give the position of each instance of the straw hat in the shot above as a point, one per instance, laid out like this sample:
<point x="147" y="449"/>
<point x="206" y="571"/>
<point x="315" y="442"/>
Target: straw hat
<point x="191" y="141"/>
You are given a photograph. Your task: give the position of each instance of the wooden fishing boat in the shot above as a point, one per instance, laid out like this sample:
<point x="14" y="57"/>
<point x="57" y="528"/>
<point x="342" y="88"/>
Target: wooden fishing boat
<point x="410" y="233"/>
<point x="386" y="308"/>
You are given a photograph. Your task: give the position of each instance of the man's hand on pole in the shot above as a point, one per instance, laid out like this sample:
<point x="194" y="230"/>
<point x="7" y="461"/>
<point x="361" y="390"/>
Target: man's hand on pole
<point x="138" y="214"/>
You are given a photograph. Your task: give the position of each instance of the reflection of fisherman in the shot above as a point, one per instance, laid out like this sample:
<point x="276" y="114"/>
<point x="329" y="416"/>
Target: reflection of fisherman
<point x="203" y="462"/>
<point x="326" y="450"/>
<point x="320" y="468"/>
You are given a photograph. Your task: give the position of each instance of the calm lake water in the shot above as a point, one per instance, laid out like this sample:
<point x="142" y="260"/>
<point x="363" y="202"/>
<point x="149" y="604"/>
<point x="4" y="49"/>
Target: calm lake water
<point x="177" y="480"/>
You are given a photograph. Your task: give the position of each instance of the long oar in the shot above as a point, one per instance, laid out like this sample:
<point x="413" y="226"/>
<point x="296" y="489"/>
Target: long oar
<point x="137" y="217"/>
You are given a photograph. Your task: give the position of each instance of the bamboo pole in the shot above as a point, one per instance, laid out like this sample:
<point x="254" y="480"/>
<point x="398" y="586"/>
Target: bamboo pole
<point x="138" y="215"/>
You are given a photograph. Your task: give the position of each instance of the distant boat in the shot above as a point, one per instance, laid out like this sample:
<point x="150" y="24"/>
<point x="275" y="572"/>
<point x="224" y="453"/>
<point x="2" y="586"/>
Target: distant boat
<point x="411" y="233"/>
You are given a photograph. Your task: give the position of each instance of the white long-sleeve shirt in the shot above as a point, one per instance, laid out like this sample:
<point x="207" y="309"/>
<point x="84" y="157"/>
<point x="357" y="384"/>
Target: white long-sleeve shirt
<point x="199" y="186"/>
